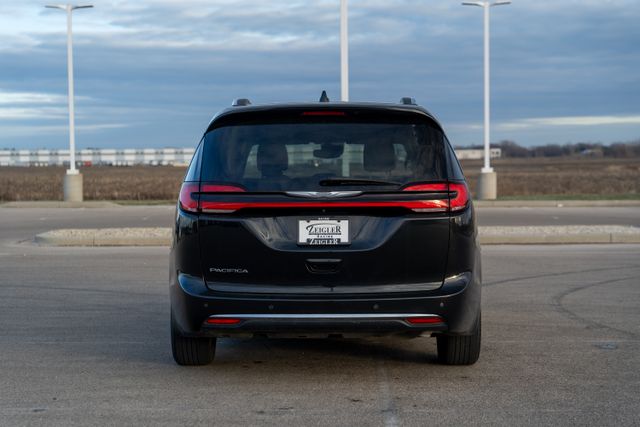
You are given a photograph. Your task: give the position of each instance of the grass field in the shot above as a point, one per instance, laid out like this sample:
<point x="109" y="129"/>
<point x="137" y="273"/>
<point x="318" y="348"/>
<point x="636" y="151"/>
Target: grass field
<point x="543" y="178"/>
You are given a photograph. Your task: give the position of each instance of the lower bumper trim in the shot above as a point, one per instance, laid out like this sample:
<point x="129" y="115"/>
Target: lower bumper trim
<point x="327" y="316"/>
<point x="234" y="324"/>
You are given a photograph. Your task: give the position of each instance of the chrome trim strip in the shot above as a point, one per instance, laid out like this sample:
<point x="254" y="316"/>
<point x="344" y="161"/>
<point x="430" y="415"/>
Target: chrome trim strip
<point x="360" y="290"/>
<point x="392" y="316"/>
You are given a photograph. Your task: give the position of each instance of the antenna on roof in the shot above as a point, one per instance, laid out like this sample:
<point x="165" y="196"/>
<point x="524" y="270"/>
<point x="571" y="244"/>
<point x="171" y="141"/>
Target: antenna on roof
<point x="408" y="101"/>
<point x="240" y="102"/>
<point x="324" y="97"/>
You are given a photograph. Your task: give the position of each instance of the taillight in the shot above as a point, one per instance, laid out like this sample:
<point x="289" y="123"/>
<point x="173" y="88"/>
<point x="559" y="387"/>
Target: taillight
<point x="435" y="205"/>
<point x="214" y="207"/>
<point x="457" y="199"/>
<point x="188" y="196"/>
<point x="461" y="198"/>
<point x="216" y="188"/>
<point x="453" y="197"/>
<point x="428" y="187"/>
<point x="414" y="205"/>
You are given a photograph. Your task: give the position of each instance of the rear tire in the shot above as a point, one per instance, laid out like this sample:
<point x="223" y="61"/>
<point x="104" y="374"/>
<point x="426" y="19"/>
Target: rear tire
<point x="188" y="351"/>
<point x="462" y="349"/>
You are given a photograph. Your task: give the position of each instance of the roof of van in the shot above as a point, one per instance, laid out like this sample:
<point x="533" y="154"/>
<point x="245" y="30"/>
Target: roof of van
<point x="322" y="106"/>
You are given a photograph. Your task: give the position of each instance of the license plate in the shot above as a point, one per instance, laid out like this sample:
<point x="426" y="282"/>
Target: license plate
<point x="323" y="232"/>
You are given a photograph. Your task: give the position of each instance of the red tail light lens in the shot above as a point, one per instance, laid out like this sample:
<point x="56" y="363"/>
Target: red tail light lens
<point x="223" y="321"/>
<point x="217" y="188"/>
<point x="455" y="202"/>
<point x="324" y="113"/>
<point x="461" y="198"/>
<point x="428" y="187"/>
<point x="455" y="199"/>
<point x="218" y="207"/>
<point x="426" y="320"/>
<point x="188" y="200"/>
<point x="414" y="205"/>
<point x="436" y="205"/>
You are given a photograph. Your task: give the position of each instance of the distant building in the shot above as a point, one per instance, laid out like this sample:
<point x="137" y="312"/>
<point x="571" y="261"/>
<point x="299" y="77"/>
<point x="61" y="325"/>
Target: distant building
<point x="592" y="152"/>
<point x="108" y="157"/>
<point x="143" y="156"/>
<point x="475" y="154"/>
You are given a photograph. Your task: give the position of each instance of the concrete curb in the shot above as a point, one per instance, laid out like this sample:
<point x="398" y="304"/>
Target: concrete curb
<point x="158" y="236"/>
<point x="487" y="235"/>
<point x="530" y="239"/>
<point x="555" y="203"/>
<point x="566" y="234"/>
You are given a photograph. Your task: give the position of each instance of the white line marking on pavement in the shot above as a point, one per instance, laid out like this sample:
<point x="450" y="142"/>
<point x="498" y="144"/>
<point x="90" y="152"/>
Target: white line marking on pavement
<point x="389" y="408"/>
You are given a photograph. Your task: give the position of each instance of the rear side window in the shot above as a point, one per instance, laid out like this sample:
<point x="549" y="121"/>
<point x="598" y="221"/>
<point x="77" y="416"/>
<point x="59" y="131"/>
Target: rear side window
<point x="299" y="156"/>
<point x="454" y="168"/>
<point x="193" y="172"/>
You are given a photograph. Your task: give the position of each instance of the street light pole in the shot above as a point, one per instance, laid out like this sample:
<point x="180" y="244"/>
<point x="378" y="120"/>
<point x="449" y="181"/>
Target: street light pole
<point x="487" y="185"/>
<point x="344" y="50"/>
<point x="73" y="179"/>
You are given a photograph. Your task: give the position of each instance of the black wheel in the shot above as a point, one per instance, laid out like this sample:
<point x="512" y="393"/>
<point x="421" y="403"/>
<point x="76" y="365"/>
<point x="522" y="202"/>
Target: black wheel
<point x="460" y="350"/>
<point x="188" y="351"/>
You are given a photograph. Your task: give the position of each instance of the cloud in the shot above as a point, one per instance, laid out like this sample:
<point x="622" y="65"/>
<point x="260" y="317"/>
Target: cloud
<point x="164" y="67"/>
<point x="32" y="113"/>
<point x="58" y="130"/>
<point x="570" y="121"/>
<point x="35" y="105"/>
<point x="30" y="98"/>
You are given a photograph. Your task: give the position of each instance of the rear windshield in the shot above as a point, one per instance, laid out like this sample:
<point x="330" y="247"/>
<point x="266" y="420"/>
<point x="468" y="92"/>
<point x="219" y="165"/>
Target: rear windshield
<point x="314" y="156"/>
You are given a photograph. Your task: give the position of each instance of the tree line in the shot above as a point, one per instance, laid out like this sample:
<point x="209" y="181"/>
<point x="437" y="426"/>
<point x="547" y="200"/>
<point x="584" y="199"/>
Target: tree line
<point x="584" y="149"/>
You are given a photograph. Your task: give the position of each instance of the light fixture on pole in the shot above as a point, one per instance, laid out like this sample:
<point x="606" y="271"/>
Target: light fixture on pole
<point x="487" y="183"/>
<point x="344" y="50"/>
<point x="73" y="179"/>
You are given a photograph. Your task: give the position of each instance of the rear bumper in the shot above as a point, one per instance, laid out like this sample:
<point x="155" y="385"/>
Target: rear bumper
<point x="456" y="304"/>
<point x="321" y="324"/>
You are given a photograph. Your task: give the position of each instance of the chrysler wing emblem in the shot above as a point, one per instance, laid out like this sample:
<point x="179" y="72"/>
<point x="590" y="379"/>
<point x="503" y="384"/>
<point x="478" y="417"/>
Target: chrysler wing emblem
<point x="323" y="194"/>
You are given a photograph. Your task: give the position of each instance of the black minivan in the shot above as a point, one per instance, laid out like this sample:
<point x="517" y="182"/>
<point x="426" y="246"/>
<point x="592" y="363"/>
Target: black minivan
<point x="325" y="220"/>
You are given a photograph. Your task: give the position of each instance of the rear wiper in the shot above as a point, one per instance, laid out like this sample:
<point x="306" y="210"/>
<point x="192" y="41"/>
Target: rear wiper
<point x="353" y="181"/>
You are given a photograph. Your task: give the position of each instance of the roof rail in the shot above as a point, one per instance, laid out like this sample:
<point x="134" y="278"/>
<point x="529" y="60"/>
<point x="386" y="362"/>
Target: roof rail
<point x="240" y="102"/>
<point x="408" y="101"/>
<point x="324" y="97"/>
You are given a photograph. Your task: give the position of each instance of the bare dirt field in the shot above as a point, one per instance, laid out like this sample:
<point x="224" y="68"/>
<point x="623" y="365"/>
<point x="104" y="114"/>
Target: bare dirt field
<point x="532" y="177"/>
<point x="563" y="176"/>
<point x="100" y="183"/>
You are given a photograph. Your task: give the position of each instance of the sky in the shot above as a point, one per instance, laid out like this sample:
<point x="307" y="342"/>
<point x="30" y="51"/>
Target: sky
<point x="152" y="73"/>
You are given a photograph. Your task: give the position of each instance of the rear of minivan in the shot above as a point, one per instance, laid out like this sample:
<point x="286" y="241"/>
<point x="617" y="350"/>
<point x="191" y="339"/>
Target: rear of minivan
<point x="326" y="219"/>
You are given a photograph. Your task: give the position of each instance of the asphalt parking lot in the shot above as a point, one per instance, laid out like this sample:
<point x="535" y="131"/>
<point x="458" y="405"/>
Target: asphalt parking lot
<point x="85" y="341"/>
